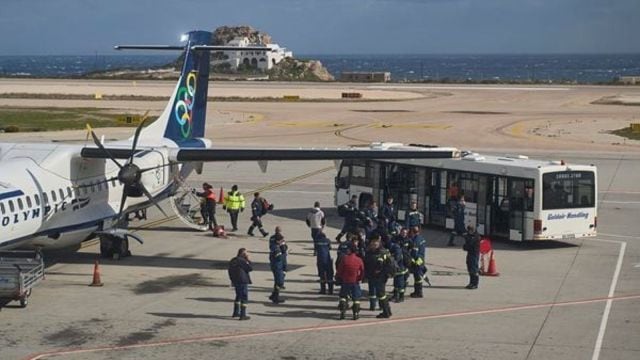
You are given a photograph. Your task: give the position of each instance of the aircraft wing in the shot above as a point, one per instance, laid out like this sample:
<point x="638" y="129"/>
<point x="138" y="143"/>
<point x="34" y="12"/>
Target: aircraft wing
<point x="211" y="155"/>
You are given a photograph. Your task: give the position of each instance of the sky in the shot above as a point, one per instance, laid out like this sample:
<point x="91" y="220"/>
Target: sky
<point x="87" y="27"/>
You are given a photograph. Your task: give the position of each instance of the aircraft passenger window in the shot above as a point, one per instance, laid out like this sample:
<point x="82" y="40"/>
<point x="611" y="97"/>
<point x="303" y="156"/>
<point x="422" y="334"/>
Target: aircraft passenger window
<point x="76" y="192"/>
<point x="93" y="188"/>
<point x="2" y="210"/>
<point x="29" y="204"/>
<point x="54" y="198"/>
<point x="84" y="189"/>
<point x="45" y="198"/>
<point x="20" y="204"/>
<point x="11" y="206"/>
<point x="69" y="194"/>
<point x="113" y="183"/>
<point x="61" y="194"/>
<point x="37" y="199"/>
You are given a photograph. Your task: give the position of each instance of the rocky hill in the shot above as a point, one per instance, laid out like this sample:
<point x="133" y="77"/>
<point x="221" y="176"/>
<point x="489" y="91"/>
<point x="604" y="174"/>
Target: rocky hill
<point x="289" y="69"/>
<point x="299" y="70"/>
<point x="224" y="34"/>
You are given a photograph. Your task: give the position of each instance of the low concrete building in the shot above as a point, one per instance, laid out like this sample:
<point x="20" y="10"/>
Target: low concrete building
<point x="263" y="60"/>
<point x="629" y="80"/>
<point x="364" y="76"/>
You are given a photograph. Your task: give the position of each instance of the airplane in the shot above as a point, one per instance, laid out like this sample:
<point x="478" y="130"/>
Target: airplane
<point x="59" y="195"/>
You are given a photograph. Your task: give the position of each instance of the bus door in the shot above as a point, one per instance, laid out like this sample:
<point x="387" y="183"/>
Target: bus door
<point x="438" y="197"/>
<point x="516" y="209"/>
<point x="342" y="184"/>
<point x="499" y="220"/>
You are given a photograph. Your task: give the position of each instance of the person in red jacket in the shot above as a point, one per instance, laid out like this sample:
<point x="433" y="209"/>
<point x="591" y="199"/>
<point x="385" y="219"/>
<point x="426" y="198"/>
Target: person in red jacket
<point x="350" y="271"/>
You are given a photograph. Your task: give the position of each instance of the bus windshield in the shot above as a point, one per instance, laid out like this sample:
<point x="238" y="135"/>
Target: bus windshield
<point x="568" y="190"/>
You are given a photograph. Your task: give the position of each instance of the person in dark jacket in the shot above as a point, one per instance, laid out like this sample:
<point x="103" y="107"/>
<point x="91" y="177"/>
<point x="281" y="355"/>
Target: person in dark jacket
<point x="399" y="283"/>
<point x="350" y="271"/>
<point x="239" y="269"/>
<point x="257" y="211"/>
<point x="349" y="211"/>
<point x="418" y="268"/>
<point x="472" y="247"/>
<point x="458" y="219"/>
<point x="379" y="267"/>
<point x="387" y="215"/>
<point x="413" y="217"/>
<point x="324" y="262"/>
<point x="278" y="262"/>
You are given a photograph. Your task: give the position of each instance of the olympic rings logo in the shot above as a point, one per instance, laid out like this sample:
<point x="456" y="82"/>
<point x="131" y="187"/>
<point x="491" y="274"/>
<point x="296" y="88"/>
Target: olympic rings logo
<point x="183" y="109"/>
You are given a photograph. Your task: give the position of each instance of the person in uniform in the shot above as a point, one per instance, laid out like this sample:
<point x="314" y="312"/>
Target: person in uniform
<point x="418" y="268"/>
<point x="257" y="211"/>
<point x="239" y="269"/>
<point x="472" y="247"/>
<point x="458" y="220"/>
<point x="349" y="211"/>
<point x="379" y="266"/>
<point x="387" y="215"/>
<point x="413" y="217"/>
<point x="324" y="262"/>
<point x="278" y="263"/>
<point x="234" y="204"/>
<point x="399" y="281"/>
<point x="351" y="271"/>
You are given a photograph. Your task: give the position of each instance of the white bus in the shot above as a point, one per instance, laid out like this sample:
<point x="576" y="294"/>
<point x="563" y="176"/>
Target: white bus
<point x="509" y="197"/>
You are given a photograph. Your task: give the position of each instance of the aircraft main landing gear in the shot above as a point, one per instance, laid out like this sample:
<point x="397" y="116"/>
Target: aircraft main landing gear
<point x="114" y="247"/>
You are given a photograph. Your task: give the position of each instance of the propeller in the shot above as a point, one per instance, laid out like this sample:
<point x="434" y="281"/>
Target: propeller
<point x="130" y="174"/>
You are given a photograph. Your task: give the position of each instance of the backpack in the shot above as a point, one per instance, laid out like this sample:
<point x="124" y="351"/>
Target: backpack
<point x="406" y="257"/>
<point x="390" y="267"/>
<point x="266" y="207"/>
<point x="342" y="210"/>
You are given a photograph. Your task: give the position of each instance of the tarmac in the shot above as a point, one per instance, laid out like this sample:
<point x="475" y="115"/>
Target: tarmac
<point x="576" y="299"/>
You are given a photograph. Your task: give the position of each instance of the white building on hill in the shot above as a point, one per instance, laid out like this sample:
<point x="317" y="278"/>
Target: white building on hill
<point x="263" y="60"/>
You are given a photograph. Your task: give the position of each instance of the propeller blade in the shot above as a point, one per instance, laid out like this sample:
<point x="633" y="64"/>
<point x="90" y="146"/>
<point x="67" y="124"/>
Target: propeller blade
<point x="135" y="139"/>
<point x="99" y="145"/>
<point x="123" y="199"/>
<point x="148" y="194"/>
<point x="135" y="237"/>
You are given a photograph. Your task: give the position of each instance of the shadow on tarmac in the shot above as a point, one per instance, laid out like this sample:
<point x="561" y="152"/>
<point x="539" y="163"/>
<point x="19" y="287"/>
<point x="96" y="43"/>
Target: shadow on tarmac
<point x="159" y="260"/>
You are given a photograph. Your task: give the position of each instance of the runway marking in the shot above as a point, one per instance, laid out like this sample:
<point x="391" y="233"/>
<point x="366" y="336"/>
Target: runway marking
<point x="620" y="202"/>
<point x="619" y="192"/>
<point x="471" y="88"/>
<point x="612" y="289"/>
<point x="349" y="325"/>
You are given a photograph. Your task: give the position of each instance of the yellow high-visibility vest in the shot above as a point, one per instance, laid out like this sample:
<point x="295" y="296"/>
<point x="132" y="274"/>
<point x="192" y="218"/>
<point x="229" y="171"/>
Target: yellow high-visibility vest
<point x="234" y="201"/>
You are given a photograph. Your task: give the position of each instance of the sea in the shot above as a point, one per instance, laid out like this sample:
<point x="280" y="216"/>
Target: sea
<point x="576" y="68"/>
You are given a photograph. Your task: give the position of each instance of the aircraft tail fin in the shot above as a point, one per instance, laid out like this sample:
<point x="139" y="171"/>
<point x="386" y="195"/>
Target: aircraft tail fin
<point x="183" y="119"/>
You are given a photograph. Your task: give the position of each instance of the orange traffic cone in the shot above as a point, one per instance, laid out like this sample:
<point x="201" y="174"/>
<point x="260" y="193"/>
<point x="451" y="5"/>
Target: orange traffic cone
<point x="221" y="198"/>
<point x="96" y="275"/>
<point x="493" y="271"/>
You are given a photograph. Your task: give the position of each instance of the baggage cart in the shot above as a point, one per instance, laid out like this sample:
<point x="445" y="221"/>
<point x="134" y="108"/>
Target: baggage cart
<point x="20" y="271"/>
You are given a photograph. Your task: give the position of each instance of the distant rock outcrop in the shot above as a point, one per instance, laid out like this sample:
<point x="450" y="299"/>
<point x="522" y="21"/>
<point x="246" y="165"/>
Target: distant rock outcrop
<point x="224" y="34"/>
<point x="291" y="69"/>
